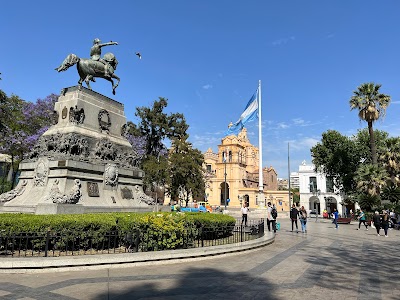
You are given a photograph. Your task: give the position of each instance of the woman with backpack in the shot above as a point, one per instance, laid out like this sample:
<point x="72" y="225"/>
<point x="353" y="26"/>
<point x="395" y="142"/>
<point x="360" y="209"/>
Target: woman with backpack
<point x="303" y="219"/>
<point x="362" y="219"/>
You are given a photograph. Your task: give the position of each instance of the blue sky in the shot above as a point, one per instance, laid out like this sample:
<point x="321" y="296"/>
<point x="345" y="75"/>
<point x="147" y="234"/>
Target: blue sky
<point x="207" y="56"/>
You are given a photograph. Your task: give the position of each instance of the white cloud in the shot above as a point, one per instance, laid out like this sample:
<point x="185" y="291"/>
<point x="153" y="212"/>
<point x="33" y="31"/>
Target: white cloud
<point x="395" y="102"/>
<point x="283" y="41"/>
<point x="207" y="86"/>
<point x="282" y="125"/>
<point x="298" y="121"/>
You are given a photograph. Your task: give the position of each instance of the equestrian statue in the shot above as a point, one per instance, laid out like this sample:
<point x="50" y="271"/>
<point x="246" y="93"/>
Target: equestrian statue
<point x="96" y="66"/>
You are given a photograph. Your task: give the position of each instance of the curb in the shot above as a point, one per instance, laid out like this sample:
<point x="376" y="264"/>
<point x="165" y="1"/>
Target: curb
<point x="102" y="261"/>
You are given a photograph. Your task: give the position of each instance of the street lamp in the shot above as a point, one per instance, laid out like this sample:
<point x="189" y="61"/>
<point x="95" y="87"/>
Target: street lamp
<point x="224" y="158"/>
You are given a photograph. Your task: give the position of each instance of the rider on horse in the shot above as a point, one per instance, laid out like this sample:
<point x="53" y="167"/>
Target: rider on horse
<point x="95" y="53"/>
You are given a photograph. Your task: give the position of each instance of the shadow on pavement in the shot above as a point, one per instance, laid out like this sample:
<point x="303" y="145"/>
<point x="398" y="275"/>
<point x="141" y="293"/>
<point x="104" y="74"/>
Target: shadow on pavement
<point x="196" y="283"/>
<point x="367" y="267"/>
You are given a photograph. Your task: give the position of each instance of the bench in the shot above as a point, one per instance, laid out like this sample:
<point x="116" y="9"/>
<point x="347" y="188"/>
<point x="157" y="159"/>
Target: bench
<point x="344" y="220"/>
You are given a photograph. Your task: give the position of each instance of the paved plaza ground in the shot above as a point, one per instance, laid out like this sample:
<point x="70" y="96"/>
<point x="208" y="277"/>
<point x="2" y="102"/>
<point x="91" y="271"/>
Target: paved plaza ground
<point x="324" y="263"/>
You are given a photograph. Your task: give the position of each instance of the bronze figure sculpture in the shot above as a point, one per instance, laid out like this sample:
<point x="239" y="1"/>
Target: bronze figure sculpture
<point x="96" y="66"/>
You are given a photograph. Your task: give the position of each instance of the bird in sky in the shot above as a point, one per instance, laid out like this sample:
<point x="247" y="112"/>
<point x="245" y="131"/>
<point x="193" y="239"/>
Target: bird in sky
<point x="138" y="55"/>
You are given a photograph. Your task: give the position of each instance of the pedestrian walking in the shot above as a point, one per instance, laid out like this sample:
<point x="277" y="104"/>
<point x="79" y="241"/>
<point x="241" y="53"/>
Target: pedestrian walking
<point x="385" y="222"/>
<point x="362" y="219"/>
<point x="294" y="213"/>
<point x="377" y="222"/>
<point x="335" y="216"/>
<point x="245" y="210"/>
<point x="303" y="219"/>
<point x="271" y="217"/>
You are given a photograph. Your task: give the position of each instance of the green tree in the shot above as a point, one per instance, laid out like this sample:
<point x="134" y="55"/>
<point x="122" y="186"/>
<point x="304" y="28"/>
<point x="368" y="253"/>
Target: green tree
<point x="186" y="170"/>
<point x="362" y="141"/>
<point x="371" y="179"/>
<point x="13" y="131"/>
<point x="156" y="126"/>
<point x="371" y="106"/>
<point x="22" y="124"/>
<point x="180" y="169"/>
<point x="337" y="156"/>
<point x="390" y="158"/>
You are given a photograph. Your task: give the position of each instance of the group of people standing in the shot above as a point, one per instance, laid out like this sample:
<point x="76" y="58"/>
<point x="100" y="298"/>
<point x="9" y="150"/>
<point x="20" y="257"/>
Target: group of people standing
<point x="296" y="214"/>
<point x="381" y="221"/>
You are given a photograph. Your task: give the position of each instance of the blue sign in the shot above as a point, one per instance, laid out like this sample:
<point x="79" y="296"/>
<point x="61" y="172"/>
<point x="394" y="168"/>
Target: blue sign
<point x="228" y="200"/>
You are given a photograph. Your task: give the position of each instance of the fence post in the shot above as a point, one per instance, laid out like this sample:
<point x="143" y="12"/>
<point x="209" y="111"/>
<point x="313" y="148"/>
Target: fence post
<point x="46" y="247"/>
<point x="241" y="233"/>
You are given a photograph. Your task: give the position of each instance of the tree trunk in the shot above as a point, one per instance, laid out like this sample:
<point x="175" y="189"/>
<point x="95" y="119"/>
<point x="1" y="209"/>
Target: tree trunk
<point x="372" y="143"/>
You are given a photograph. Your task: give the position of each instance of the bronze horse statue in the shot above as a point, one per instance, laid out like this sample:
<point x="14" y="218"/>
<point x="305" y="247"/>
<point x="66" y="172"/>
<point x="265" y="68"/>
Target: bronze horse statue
<point x="88" y="69"/>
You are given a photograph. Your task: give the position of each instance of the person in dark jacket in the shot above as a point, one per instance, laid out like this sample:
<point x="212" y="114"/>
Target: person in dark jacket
<point x="385" y="222"/>
<point x="377" y="222"/>
<point x="293" y="216"/>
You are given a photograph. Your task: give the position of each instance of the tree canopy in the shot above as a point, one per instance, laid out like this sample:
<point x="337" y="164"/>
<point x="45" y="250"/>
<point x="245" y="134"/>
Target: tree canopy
<point x="22" y="123"/>
<point x="180" y="168"/>
<point x="348" y="161"/>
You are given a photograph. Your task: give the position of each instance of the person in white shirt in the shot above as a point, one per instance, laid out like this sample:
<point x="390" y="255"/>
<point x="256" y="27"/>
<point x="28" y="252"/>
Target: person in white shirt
<point x="245" y="210"/>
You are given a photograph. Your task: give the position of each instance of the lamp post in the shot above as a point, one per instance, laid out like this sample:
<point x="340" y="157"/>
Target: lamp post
<point x="224" y="154"/>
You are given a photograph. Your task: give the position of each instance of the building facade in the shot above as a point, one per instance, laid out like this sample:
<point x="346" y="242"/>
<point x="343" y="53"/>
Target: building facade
<point x="232" y="174"/>
<point x="294" y="180"/>
<point x="317" y="192"/>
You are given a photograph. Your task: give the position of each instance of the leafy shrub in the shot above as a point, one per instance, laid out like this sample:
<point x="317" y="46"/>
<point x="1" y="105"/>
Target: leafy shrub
<point x="150" y="231"/>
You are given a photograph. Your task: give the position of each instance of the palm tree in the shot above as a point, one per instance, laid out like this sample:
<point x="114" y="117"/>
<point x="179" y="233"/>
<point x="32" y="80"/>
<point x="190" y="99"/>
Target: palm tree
<point x="390" y="158"/>
<point x="371" y="106"/>
<point x="371" y="179"/>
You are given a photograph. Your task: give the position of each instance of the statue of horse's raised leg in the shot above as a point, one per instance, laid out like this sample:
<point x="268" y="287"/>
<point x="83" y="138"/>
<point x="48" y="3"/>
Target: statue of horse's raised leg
<point x="114" y="86"/>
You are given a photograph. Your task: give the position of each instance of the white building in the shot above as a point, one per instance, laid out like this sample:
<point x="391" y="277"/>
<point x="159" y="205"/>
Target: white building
<point x="317" y="192"/>
<point x="294" y="180"/>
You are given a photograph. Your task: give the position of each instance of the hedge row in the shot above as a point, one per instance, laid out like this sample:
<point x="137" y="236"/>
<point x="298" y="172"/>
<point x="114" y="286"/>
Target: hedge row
<point x="153" y="231"/>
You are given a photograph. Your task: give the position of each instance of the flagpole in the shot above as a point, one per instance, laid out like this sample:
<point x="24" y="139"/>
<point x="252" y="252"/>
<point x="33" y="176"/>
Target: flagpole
<point x="261" y="197"/>
<point x="288" y="163"/>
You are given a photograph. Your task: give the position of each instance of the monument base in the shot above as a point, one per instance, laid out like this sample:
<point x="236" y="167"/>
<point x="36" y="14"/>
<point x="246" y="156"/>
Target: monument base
<point x="83" y="163"/>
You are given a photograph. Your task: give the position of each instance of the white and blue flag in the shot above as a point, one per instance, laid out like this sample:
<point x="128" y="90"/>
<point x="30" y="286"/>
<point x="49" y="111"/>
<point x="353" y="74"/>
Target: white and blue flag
<point x="249" y="114"/>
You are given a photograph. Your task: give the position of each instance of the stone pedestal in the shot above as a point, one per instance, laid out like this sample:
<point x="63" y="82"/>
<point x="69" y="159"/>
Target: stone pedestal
<point x="83" y="163"/>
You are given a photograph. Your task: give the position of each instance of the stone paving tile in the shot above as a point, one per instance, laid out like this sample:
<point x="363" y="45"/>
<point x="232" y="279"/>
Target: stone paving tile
<point x="323" y="264"/>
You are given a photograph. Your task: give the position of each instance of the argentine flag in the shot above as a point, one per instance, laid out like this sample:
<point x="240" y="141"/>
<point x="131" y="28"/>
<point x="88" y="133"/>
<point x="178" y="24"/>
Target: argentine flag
<point x="249" y="114"/>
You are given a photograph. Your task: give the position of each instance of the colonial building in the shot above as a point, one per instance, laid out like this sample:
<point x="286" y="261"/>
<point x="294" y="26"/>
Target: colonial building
<point x="232" y="174"/>
<point x="317" y="192"/>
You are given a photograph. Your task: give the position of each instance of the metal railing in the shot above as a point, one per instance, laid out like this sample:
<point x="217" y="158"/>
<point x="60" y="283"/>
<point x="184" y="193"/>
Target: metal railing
<point x="53" y="244"/>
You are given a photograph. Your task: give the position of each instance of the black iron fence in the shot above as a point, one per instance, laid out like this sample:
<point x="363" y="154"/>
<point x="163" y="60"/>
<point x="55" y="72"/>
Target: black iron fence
<point x="66" y="243"/>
